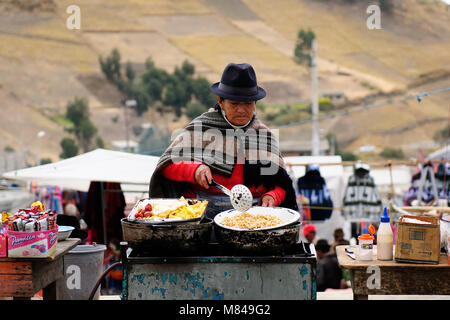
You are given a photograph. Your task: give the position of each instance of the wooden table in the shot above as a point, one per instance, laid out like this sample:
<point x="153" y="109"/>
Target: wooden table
<point x="22" y="278"/>
<point x="395" y="277"/>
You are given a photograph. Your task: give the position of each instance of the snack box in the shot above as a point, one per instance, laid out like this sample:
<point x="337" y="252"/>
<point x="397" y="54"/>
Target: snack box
<point x="3" y="245"/>
<point x="38" y="244"/>
<point x="418" y="240"/>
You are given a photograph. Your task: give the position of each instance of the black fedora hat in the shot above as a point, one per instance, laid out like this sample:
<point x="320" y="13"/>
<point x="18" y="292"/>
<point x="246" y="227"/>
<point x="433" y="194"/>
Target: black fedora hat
<point x="238" y="83"/>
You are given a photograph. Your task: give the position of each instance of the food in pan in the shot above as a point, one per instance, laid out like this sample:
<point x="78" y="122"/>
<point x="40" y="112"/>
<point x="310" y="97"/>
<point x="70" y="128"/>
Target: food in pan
<point x="170" y="209"/>
<point x="247" y="220"/>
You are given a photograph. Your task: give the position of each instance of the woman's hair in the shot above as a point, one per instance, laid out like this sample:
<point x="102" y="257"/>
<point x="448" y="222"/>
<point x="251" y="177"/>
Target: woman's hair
<point x="338" y="233"/>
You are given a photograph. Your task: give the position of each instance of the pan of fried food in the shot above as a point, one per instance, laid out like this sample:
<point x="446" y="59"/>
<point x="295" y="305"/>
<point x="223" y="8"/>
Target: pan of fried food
<point x="258" y="231"/>
<point x="168" y="211"/>
<point x="168" y="239"/>
<point x="256" y="218"/>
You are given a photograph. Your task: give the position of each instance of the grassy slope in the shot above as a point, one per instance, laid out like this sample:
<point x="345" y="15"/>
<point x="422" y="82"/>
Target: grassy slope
<point x="342" y="33"/>
<point x="46" y="60"/>
<point x="400" y="53"/>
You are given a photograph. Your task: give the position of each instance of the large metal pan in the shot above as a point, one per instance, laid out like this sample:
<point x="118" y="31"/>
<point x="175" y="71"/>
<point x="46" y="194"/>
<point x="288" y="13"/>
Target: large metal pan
<point x="167" y="238"/>
<point x="258" y="242"/>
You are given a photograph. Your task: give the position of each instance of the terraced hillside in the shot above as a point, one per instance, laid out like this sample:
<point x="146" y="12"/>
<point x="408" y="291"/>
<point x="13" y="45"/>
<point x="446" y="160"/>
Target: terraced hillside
<point x="43" y="64"/>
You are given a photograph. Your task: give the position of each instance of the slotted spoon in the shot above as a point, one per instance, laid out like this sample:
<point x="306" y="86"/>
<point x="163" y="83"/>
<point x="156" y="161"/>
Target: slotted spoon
<point x="240" y="196"/>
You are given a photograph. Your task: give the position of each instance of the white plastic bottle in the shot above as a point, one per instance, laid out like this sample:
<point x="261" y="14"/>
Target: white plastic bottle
<point x="385" y="238"/>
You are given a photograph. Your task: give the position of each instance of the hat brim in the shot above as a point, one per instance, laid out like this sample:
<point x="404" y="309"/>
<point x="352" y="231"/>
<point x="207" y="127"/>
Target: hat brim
<point x="258" y="96"/>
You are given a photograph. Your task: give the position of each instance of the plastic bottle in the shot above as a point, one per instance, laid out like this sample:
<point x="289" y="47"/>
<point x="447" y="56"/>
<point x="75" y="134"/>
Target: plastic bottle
<point x="385" y="238"/>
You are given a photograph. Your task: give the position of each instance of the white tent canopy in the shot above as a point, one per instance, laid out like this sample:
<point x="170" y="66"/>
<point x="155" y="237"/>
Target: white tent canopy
<point x="133" y="171"/>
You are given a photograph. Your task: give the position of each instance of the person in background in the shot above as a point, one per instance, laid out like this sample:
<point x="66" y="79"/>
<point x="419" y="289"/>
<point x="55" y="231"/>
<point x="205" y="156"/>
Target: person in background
<point x="309" y="232"/>
<point x="71" y="217"/>
<point x="329" y="274"/>
<point x="314" y="187"/>
<point x="303" y="203"/>
<point x="338" y="240"/>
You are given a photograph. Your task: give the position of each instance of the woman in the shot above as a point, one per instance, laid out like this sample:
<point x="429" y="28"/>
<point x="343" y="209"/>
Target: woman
<point x="228" y="144"/>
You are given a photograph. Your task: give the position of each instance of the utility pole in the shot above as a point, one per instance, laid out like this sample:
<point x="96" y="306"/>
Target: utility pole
<point x="38" y="153"/>
<point x="128" y="103"/>
<point x="315" y="148"/>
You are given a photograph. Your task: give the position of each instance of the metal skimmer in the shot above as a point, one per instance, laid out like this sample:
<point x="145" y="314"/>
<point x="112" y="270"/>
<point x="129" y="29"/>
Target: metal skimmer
<point x="240" y="196"/>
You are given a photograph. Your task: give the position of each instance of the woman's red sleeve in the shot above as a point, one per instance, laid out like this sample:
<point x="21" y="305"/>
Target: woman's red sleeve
<point x="277" y="194"/>
<point x="181" y="171"/>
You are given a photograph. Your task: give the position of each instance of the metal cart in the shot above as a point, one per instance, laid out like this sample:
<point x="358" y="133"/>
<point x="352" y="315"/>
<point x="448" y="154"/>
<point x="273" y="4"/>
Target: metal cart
<point x="148" y="276"/>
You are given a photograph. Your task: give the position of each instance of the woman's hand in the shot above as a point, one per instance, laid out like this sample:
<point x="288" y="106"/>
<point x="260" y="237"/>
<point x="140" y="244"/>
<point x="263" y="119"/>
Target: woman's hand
<point x="203" y="176"/>
<point x="268" y="201"/>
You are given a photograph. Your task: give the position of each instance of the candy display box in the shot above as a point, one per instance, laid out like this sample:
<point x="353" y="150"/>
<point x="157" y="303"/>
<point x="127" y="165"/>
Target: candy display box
<point x="3" y="245"/>
<point x="38" y="244"/>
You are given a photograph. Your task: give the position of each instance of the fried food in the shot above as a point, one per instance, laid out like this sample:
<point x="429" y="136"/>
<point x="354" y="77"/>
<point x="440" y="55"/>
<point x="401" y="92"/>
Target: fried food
<point x="247" y="220"/>
<point x="167" y="209"/>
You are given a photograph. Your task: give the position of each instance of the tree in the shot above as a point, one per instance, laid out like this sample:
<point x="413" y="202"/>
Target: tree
<point x="77" y="112"/>
<point x="345" y="155"/>
<point x="348" y="156"/>
<point x="302" y="51"/>
<point x="392" y="153"/>
<point x="440" y="136"/>
<point x="46" y="161"/>
<point x="8" y="149"/>
<point x="157" y="88"/>
<point x="111" y="66"/>
<point x="69" y="148"/>
<point x="142" y="101"/>
<point x="201" y="89"/>
<point x="194" y="109"/>
<point x="99" y="142"/>
<point x="130" y="73"/>
<point x="386" y="5"/>
<point x="176" y="96"/>
<point x="87" y="131"/>
<point x="188" y="68"/>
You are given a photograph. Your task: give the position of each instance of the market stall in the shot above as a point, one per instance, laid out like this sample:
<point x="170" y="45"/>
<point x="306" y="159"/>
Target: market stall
<point x="409" y="260"/>
<point x="131" y="171"/>
<point x="32" y="250"/>
<point x="168" y="253"/>
<point x="395" y="278"/>
<point x="22" y="278"/>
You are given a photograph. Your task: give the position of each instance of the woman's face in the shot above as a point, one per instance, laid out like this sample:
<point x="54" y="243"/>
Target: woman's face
<point x="238" y="113"/>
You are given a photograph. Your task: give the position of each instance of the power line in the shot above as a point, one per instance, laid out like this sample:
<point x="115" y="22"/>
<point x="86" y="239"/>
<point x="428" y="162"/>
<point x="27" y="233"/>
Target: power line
<point x="347" y="112"/>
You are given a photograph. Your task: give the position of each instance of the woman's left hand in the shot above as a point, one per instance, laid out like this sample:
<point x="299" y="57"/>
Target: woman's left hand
<point x="268" y="201"/>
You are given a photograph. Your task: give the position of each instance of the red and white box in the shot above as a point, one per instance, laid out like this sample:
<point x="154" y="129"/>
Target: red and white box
<point x="39" y="244"/>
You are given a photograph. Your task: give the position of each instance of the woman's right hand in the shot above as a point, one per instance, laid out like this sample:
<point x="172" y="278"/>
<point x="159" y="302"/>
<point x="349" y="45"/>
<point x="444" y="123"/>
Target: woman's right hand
<point x="203" y="176"/>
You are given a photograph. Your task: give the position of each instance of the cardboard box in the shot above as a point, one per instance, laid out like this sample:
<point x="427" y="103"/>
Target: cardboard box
<point x="39" y="244"/>
<point x="416" y="242"/>
<point x="3" y="246"/>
